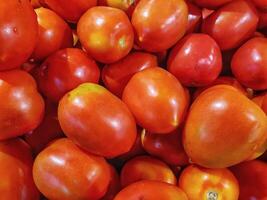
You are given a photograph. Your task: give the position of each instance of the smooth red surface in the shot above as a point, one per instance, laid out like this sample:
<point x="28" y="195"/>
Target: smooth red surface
<point x="211" y="4"/>
<point x="194" y="17"/>
<point x="261" y="4"/>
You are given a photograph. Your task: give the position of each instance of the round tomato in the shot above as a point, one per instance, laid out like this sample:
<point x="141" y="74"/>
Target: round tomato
<point x="232" y="130"/>
<point x="194" y="17"/>
<point x="18" y="33"/>
<point x="106" y="33"/>
<point x="210" y="184"/>
<point x="211" y="4"/>
<point x="159" y="24"/>
<point x="97" y="120"/>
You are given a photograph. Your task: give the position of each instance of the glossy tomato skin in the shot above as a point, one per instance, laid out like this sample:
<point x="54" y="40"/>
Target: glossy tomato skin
<point x="195" y="60"/>
<point x="229" y="116"/>
<point x="116" y="75"/>
<point x="252" y="178"/>
<point x="211" y="4"/>
<point x="16" y="171"/>
<point x="249" y="64"/>
<point x="208" y="183"/>
<point x="63" y="171"/>
<point x="18" y="33"/>
<point x="64" y="70"/>
<point x="232" y="24"/>
<point x="157" y="32"/>
<point x="22" y="107"/>
<point x="194" y="17"/>
<point x="160" y="92"/>
<point x="106" y="33"/>
<point x="151" y="190"/>
<point x="54" y="34"/>
<point x="103" y="124"/>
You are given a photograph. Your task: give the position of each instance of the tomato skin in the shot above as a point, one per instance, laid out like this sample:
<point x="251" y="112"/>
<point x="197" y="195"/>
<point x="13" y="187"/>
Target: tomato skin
<point x="211" y="4"/>
<point x="194" y="17"/>
<point x="249" y="64"/>
<point x="116" y="75"/>
<point x="252" y="178"/>
<point x="146" y="168"/>
<point x="35" y="3"/>
<point x="229" y="116"/>
<point x="106" y="33"/>
<point x="261" y="4"/>
<point x="64" y="171"/>
<point x="195" y="60"/>
<point x="18" y="33"/>
<point x="208" y="182"/>
<point x="156" y="32"/>
<point x="64" y="70"/>
<point x="161" y="92"/>
<point x="103" y="124"/>
<point x="232" y="24"/>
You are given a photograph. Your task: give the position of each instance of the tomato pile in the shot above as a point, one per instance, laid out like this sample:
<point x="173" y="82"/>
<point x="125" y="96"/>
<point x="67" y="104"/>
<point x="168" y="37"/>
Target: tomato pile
<point x="133" y="100"/>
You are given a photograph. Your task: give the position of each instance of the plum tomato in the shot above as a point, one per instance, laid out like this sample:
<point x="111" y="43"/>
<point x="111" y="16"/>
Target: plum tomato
<point x="194" y="17"/>
<point x="211" y="4"/>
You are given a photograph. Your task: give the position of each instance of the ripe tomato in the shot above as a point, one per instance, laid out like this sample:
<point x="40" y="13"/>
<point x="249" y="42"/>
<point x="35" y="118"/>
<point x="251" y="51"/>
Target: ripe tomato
<point x="54" y="34"/>
<point x="64" y="171"/>
<point x="261" y="100"/>
<point x="146" y="168"/>
<point x="64" y="70"/>
<point x="232" y="24"/>
<point x="71" y="10"/>
<point x="16" y="171"/>
<point x="229" y="116"/>
<point x="209" y="183"/>
<point x="194" y="17"/>
<point x="151" y="190"/>
<point x="18" y="33"/>
<point x="157" y="32"/>
<point x="106" y="33"/>
<point x="22" y="106"/>
<point x="195" y="60"/>
<point x="153" y="91"/>
<point x="249" y="64"/>
<point x="211" y="4"/>
<point x="97" y="120"/>
<point x="252" y="178"/>
<point x="116" y="76"/>
<point x="261" y="4"/>
<point x="35" y="3"/>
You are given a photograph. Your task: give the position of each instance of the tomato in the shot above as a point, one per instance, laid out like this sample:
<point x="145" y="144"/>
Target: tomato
<point x="261" y="4"/>
<point x="229" y="116"/>
<point x="261" y="100"/>
<point x="157" y="32"/>
<point x="54" y="34"/>
<point x="232" y="24"/>
<point x="116" y="76"/>
<point x="211" y="4"/>
<point x="97" y="120"/>
<point x="263" y="20"/>
<point x="64" y="70"/>
<point x="70" y="11"/>
<point x="63" y="171"/>
<point x="195" y="60"/>
<point x="35" y="3"/>
<point x="22" y="106"/>
<point x="194" y="17"/>
<point x="249" y="64"/>
<point x="153" y="91"/>
<point x="18" y="33"/>
<point x="209" y="183"/>
<point x="151" y="190"/>
<point x="146" y="168"/>
<point x="252" y="178"/>
<point x="168" y="148"/>
<point x="106" y="33"/>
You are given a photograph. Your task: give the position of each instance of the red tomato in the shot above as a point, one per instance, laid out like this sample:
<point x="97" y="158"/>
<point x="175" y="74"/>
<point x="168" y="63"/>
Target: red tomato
<point x="22" y="106"/>
<point x="116" y="76"/>
<point x="54" y="34"/>
<point x="146" y="168"/>
<point x="157" y="32"/>
<point x="18" y="33"/>
<point x="151" y="190"/>
<point x="97" y="120"/>
<point x="64" y="70"/>
<point x="64" y="171"/>
<point x="211" y="4"/>
<point x="232" y="24"/>
<point x="249" y="64"/>
<point x="232" y="130"/>
<point x="106" y="33"/>
<point x="195" y="60"/>
<point x="263" y="20"/>
<point x="209" y="183"/>
<point x="71" y="10"/>
<point x="252" y="178"/>
<point x="35" y="3"/>
<point x="261" y="4"/>
<point x="154" y="91"/>
<point x="194" y="17"/>
<point x="16" y="171"/>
